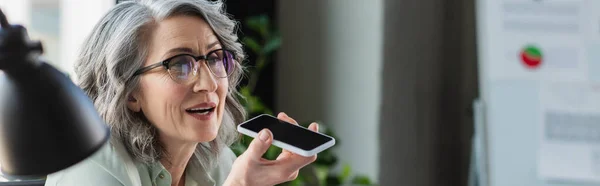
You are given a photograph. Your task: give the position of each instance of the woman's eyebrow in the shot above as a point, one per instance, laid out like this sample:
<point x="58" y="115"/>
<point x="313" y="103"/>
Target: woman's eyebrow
<point x="212" y="44"/>
<point x="189" y="50"/>
<point x="180" y="49"/>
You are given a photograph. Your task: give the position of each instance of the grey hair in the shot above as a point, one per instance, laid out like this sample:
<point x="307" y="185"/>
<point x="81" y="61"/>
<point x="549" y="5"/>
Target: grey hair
<point x="117" y="47"/>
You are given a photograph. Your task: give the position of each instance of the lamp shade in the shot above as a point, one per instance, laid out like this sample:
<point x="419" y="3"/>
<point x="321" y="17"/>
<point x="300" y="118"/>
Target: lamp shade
<point x="46" y="122"/>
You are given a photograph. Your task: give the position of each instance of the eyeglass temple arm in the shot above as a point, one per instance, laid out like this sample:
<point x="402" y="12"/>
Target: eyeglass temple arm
<point x="148" y="68"/>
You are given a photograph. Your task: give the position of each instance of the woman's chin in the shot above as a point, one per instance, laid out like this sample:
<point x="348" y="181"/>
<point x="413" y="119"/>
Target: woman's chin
<point x="206" y="137"/>
<point x="205" y="132"/>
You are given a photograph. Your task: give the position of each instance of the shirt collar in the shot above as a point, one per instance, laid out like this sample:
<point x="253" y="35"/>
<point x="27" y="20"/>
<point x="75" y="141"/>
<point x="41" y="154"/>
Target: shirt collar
<point x="195" y="174"/>
<point x="155" y="169"/>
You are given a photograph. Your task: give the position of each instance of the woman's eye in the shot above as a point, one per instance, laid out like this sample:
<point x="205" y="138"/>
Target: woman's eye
<point x="181" y="63"/>
<point x="213" y="58"/>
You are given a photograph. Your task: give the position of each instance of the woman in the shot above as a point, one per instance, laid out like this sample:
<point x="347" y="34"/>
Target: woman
<point x="163" y="75"/>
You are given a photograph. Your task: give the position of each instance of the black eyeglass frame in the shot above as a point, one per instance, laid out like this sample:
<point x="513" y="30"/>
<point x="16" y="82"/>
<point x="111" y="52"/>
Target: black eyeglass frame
<point x="165" y="63"/>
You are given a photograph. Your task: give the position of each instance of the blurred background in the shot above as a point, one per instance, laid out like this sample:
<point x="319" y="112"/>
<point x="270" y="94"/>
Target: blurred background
<point x="399" y="83"/>
<point x="399" y="104"/>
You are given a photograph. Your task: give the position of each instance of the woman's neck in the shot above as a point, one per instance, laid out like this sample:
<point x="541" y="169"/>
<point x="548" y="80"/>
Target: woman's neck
<point x="179" y="154"/>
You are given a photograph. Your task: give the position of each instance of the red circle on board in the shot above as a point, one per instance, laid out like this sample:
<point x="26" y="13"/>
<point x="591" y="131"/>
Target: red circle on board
<point x="530" y="62"/>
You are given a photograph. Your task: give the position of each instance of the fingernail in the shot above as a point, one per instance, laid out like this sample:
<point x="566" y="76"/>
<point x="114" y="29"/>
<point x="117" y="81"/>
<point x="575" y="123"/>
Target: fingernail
<point x="284" y="114"/>
<point x="264" y="135"/>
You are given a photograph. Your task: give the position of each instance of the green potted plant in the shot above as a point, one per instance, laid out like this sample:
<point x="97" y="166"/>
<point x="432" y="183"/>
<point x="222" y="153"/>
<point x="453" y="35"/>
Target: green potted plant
<point x="318" y="173"/>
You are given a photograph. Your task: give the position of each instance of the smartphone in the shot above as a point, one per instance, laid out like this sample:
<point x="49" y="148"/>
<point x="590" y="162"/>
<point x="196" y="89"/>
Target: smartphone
<point x="291" y="137"/>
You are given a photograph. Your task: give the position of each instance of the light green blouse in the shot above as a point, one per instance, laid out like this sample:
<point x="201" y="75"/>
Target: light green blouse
<point x="112" y="165"/>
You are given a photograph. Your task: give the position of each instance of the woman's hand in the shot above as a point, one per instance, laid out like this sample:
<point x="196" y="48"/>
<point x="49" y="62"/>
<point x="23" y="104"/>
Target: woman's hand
<point x="250" y="169"/>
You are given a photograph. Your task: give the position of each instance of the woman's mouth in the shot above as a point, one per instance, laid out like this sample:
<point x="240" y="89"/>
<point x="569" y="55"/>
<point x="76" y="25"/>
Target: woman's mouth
<point x="202" y="111"/>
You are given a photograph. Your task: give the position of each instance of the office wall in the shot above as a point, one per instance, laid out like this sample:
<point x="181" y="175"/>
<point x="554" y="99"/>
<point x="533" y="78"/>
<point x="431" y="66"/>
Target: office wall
<point x="429" y="84"/>
<point x="77" y="19"/>
<point x="17" y="12"/>
<point x="329" y="69"/>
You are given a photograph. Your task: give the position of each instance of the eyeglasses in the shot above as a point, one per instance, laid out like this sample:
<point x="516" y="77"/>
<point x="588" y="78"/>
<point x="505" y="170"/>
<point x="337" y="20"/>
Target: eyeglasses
<point x="183" y="68"/>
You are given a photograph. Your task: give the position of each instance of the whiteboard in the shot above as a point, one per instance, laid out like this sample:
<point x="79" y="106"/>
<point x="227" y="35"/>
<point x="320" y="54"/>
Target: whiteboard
<point x="539" y="65"/>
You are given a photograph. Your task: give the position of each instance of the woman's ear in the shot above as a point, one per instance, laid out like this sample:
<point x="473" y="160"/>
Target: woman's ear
<point x="133" y="104"/>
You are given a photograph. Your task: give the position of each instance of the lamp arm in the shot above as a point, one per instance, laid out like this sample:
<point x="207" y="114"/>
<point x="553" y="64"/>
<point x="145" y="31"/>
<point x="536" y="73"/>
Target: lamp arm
<point x="15" y="44"/>
<point x="3" y="20"/>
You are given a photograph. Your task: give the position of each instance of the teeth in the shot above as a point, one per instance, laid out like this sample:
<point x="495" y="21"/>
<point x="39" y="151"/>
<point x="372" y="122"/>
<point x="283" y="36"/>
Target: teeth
<point x="203" y="113"/>
<point x="200" y="109"/>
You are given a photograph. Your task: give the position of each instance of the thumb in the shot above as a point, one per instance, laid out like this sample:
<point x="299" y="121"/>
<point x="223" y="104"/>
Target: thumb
<point x="260" y="144"/>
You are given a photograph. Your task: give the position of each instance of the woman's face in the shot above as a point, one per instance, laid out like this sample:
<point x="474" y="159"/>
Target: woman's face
<point x="174" y="107"/>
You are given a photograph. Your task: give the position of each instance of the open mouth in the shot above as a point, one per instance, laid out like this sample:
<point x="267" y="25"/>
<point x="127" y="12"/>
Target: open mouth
<point x="201" y="111"/>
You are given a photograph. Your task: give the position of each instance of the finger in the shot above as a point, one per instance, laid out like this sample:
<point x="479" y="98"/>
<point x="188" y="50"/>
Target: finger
<point x="260" y="144"/>
<point x="314" y="127"/>
<point x="287" y="157"/>
<point x="284" y="154"/>
<point x="293" y="176"/>
<point x="291" y="163"/>
<point x="285" y="117"/>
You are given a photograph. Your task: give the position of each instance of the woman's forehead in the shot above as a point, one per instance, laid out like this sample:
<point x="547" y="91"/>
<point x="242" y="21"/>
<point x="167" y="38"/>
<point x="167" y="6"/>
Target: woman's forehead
<point x="183" y="31"/>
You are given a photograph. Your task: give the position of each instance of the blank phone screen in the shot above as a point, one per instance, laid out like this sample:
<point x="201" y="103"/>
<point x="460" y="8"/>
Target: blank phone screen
<point x="294" y="135"/>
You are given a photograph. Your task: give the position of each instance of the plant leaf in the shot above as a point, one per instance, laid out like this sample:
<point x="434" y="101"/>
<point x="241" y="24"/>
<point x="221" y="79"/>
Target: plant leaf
<point x="259" y="24"/>
<point x="252" y="103"/>
<point x="252" y="44"/>
<point x="346" y="171"/>
<point x="326" y="158"/>
<point x="238" y="148"/>
<point x="264" y="22"/>
<point x="261" y="62"/>
<point x="308" y="175"/>
<point x="296" y="182"/>
<point x="332" y="180"/>
<point x="253" y="23"/>
<point x="272" y="153"/>
<point x="244" y="92"/>
<point x="271" y="45"/>
<point x="362" y="180"/>
<point x="321" y="172"/>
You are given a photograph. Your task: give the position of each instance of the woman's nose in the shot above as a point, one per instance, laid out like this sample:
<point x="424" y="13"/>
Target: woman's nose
<point x="206" y="81"/>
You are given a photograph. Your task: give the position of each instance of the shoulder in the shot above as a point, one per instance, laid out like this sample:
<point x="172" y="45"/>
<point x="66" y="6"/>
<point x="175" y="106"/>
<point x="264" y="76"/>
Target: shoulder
<point x="227" y="156"/>
<point x="105" y="167"/>
<point x="221" y="171"/>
